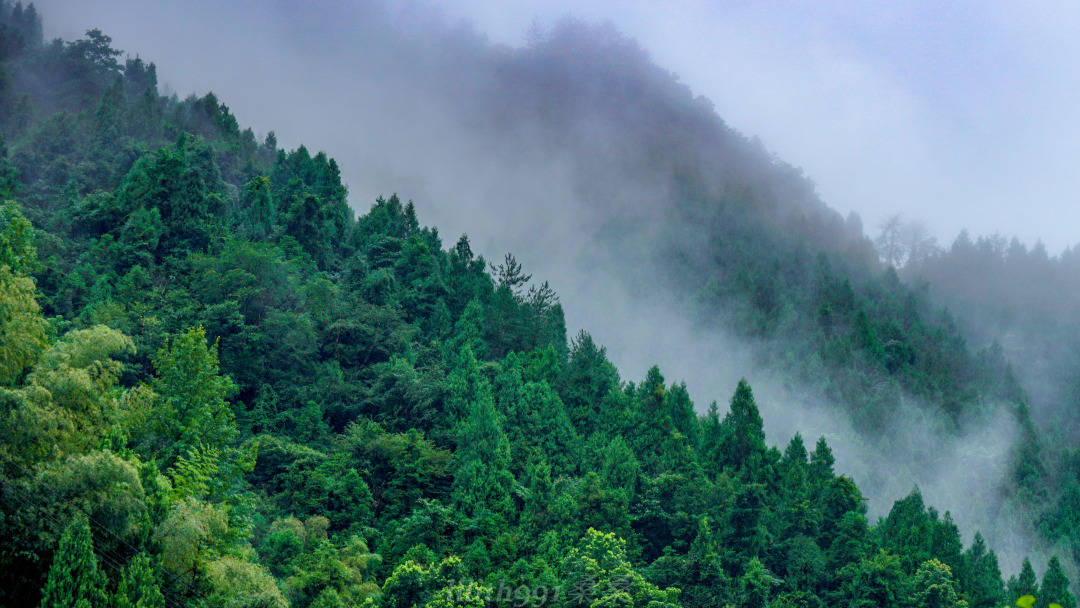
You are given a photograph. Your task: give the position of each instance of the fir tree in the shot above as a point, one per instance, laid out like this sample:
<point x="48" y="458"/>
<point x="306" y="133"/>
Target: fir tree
<point x="1023" y="584"/>
<point x="742" y="431"/>
<point x="1055" y="587"/>
<point x="138" y="586"/>
<point x="74" y="579"/>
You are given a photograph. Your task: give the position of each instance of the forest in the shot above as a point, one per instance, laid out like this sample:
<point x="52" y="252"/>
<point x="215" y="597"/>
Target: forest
<point x="221" y="386"/>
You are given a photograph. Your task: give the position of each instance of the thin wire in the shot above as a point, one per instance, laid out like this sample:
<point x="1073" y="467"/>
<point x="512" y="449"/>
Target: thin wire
<point x="111" y="560"/>
<point x="28" y="500"/>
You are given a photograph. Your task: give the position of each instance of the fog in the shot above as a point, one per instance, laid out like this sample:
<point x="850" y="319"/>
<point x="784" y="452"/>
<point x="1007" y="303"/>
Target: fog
<point x="420" y="99"/>
<point x="953" y="113"/>
<point x="965" y="116"/>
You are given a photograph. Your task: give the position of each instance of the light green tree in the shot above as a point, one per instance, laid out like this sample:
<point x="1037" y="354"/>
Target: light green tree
<point x="934" y="587"/>
<point x="23" y="330"/>
<point x="195" y="411"/>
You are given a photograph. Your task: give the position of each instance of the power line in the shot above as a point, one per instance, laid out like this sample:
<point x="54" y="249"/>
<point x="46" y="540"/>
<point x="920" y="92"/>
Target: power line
<point x="27" y="500"/>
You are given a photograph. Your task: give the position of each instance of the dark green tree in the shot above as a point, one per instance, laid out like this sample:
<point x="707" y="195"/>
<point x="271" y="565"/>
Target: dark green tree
<point x="980" y="576"/>
<point x="1055" y="587"/>
<point x="139" y="586"/>
<point x="742" y="431"/>
<point x="1023" y="584"/>
<point x="74" y="579"/>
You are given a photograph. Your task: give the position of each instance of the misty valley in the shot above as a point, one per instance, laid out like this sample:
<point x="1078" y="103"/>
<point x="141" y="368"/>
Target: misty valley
<point x="228" y="380"/>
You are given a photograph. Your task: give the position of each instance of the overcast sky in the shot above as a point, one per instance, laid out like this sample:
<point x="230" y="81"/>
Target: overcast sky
<point x="966" y="115"/>
<point x="962" y="114"/>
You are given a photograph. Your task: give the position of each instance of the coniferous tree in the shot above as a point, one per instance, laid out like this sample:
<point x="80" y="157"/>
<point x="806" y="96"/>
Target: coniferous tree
<point x="483" y="483"/>
<point x="8" y="183"/>
<point x="74" y="579"/>
<point x="712" y="458"/>
<point x="755" y="586"/>
<point x="258" y="208"/>
<point x="139" y="586"/>
<point x="1055" y="587"/>
<point x="742" y="430"/>
<point x="394" y="391"/>
<point x="822" y="461"/>
<point x="981" y="576"/>
<point x="1023" y="584"/>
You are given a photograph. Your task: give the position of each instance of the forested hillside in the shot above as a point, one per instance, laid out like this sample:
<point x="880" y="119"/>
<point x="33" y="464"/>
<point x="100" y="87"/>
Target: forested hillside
<point x="220" y="387"/>
<point x="1026" y="304"/>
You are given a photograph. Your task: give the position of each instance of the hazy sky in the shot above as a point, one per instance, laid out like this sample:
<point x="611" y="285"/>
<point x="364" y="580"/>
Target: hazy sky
<point x="966" y="115"/>
<point x="963" y="114"/>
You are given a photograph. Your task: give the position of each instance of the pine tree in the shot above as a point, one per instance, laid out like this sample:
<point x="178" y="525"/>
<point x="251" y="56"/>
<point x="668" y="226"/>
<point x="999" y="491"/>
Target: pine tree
<point x="1024" y="584"/>
<point x="483" y="482"/>
<point x="745" y="531"/>
<point x="1055" y="587"/>
<point x="754" y="586"/>
<point x="795" y="452"/>
<point x="822" y="461"/>
<point x="74" y="579"/>
<point x="139" y="587"/>
<point x="981" y="576"/>
<point x="742" y="430"/>
<point x="710" y="449"/>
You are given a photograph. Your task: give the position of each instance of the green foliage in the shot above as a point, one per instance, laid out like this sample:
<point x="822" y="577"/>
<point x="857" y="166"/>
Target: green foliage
<point x="934" y="587"/>
<point x="235" y="582"/>
<point x="191" y="534"/>
<point x="17" y="250"/>
<point x="600" y="574"/>
<point x="1055" y="587"/>
<point x="483" y="483"/>
<point x="74" y="579"/>
<point x="1023" y="584"/>
<point x="742" y="436"/>
<point x="139" y="586"/>
<point x="981" y="575"/>
<point x="257" y="399"/>
<point x="23" y="330"/>
<point x="874" y="581"/>
<point x="414" y="583"/>
<point x="194" y="408"/>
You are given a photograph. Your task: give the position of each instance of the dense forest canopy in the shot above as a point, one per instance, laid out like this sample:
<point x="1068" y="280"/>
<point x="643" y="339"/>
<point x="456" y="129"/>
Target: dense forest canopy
<point x="221" y="387"/>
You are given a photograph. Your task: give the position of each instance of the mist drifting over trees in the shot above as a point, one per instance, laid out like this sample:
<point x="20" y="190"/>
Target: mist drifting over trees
<point x="237" y="372"/>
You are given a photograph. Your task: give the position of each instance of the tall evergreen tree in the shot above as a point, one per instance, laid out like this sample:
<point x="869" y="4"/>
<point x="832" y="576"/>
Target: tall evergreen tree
<point x="1055" y="587"/>
<point x="483" y="483"/>
<point x="742" y="430"/>
<point x="822" y="461"/>
<point x="1024" y="583"/>
<point x="8" y="183"/>
<point x="74" y="580"/>
<point x="981" y="576"/>
<point x="257" y="212"/>
<point x="139" y="586"/>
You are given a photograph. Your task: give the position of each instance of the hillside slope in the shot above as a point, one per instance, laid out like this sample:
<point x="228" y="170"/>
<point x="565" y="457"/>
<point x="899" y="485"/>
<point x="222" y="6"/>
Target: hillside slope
<point x="220" y="387"/>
